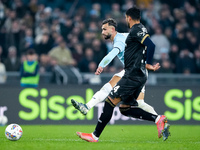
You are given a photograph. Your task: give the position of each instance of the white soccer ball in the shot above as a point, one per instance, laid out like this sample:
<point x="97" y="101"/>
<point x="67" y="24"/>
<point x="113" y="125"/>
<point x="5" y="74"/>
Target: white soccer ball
<point x="3" y="120"/>
<point x="13" y="132"/>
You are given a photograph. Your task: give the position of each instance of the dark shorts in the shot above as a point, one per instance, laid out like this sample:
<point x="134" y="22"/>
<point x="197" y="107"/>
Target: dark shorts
<point x="128" y="90"/>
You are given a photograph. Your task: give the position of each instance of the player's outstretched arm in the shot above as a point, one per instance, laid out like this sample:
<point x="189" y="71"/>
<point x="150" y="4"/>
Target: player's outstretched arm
<point x="106" y="60"/>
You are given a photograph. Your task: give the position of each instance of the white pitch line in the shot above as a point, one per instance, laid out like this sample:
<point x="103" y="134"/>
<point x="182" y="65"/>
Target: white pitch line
<point x="40" y="139"/>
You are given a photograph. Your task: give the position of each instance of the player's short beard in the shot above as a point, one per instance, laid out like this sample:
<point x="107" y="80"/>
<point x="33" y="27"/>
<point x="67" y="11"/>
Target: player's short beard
<point x="108" y="36"/>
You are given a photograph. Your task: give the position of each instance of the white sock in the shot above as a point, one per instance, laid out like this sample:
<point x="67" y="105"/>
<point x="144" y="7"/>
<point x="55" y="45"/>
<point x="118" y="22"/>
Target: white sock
<point x="100" y="95"/>
<point x="96" y="138"/>
<point x="146" y="107"/>
<point x="157" y="119"/>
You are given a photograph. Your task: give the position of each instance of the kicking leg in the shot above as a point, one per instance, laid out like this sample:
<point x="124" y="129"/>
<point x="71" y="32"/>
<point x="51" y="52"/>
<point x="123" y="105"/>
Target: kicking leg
<point x="103" y="92"/>
<point x="98" y="97"/>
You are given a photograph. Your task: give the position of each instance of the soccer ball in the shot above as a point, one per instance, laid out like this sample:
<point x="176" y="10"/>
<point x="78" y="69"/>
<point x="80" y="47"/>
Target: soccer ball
<point x="13" y="132"/>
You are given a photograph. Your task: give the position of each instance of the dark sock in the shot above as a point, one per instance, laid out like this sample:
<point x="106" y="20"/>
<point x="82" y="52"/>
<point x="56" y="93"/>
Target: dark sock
<point x="137" y="113"/>
<point x="104" y="118"/>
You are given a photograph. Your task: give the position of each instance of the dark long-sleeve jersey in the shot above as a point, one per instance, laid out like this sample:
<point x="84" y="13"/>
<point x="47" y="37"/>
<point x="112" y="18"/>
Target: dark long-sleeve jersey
<point x="135" y="52"/>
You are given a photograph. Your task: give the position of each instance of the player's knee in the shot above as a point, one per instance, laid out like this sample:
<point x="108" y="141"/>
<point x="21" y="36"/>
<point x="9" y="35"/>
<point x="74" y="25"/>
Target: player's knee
<point x="106" y="88"/>
<point x="124" y="110"/>
<point x="109" y="101"/>
<point x="107" y="111"/>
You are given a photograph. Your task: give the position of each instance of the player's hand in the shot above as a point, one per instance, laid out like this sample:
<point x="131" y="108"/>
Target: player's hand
<point x="99" y="71"/>
<point x="153" y="67"/>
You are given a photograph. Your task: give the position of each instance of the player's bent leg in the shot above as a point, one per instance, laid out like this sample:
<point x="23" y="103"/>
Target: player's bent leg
<point x="146" y="107"/>
<point x="143" y="105"/>
<point x="136" y="112"/>
<point x="98" y="97"/>
<point x="101" y="95"/>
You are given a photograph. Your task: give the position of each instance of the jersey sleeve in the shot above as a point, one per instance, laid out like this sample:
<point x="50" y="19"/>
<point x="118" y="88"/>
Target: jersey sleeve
<point x="140" y="34"/>
<point x="119" y="45"/>
<point x="109" y="57"/>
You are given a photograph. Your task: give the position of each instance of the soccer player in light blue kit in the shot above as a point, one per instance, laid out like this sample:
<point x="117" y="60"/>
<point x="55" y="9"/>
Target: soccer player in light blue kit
<point x="118" y="39"/>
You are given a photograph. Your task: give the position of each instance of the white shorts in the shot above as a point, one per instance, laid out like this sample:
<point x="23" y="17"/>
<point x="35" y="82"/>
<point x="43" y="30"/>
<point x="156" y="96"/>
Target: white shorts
<point x="121" y="74"/>
<point x="143" y="89"/>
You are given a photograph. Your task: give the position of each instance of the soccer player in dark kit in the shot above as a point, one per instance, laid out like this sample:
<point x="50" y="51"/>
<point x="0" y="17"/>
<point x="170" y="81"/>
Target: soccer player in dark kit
<point x="138" y="57"/>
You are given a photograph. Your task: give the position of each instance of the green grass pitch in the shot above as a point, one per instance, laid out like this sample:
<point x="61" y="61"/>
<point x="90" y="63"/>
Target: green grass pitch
<point x="114" y="137"/>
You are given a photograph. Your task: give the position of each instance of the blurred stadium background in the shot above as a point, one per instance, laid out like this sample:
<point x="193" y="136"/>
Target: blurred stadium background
<point x="46" y="25"/>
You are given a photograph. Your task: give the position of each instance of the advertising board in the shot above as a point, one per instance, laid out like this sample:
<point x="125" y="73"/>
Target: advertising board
<point x="52" y="104"/>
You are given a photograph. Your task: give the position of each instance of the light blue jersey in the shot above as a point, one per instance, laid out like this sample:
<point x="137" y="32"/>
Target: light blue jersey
<point x="118" y="50"/>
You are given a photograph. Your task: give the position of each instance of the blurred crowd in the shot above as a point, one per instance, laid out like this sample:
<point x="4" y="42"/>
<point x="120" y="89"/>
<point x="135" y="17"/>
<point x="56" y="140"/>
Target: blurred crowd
<point x="68" y="33"/>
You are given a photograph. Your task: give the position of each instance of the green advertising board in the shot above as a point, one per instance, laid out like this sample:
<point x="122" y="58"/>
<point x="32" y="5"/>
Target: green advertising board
<point x="52" y="104"/>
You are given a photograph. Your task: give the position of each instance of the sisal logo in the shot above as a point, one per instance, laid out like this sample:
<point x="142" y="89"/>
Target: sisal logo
<point x="183" y="104"/>
<point x="36" y="104"/>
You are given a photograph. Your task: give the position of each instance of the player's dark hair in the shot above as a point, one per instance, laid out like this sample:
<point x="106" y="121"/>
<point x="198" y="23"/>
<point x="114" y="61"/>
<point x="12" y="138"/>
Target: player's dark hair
<point x="111" y="22"/>
<point x="134" y="13"/>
